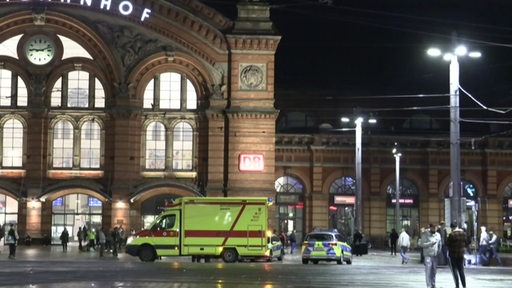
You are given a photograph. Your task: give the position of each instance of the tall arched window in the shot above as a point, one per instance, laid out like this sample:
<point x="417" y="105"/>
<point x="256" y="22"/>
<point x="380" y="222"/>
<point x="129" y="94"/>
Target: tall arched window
<point x="90" y="145"/>
<point x="409" y="207"/>
<point x="182" y="146"/>
<point x="341" y="205"/>
<point x="155" y="146"/>
<point x="12" y="144"/>
<point x="63" y="144"/>
<point x="170" y="90"/>
<point x="289" y="200"/>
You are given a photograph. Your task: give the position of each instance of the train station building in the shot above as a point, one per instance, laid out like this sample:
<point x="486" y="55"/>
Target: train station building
<point x="109" y="110"/>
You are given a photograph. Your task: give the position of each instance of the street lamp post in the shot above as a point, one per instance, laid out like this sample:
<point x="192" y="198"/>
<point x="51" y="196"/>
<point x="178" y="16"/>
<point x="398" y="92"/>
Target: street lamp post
<point x="397" y="155"/>
<point x="456" y="183"/>
<point x="359" y="155"/>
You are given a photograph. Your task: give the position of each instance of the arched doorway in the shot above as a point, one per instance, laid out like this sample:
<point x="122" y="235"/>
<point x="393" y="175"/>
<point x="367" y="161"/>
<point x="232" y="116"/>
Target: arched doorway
<point x="507" y="212"/>
<point x="341" y="206"/>
<point x="409" y="207"/>
<point x="153" y="206"/>
<point x="290" y="205"/>
<point x="469" y="209"/>
<point x="73" y="211"/>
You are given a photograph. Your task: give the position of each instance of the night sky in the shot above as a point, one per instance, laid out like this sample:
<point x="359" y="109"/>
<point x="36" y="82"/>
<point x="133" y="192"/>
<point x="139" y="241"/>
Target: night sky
<point x="370" y="55"/>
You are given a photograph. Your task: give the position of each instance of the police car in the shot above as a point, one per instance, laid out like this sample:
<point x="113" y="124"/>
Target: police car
<point x="325" y="245"/>
<point x="275" y="248"/>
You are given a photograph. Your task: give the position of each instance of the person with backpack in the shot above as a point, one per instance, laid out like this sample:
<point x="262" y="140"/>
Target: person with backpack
<point x="493" y="247"/>
<point x="11" y="239"/>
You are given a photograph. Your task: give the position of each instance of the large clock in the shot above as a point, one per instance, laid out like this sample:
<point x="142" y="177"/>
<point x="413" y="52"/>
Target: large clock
<point x="39" y="49"/>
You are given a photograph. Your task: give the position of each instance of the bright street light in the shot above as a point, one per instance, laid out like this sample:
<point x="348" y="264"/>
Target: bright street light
<point x="359" y="192"/>
<point x="456" y="183"/>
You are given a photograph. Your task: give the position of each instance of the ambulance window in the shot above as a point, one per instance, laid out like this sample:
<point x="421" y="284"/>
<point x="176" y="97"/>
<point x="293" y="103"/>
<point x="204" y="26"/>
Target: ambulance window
<point x="166" y="223"/>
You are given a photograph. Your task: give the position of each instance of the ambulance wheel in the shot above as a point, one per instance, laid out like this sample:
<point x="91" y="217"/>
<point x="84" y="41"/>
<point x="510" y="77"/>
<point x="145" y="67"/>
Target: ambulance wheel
<point x="315" y="261"/>
<point x="147" y="254"/>
<point x="230" y="256"/>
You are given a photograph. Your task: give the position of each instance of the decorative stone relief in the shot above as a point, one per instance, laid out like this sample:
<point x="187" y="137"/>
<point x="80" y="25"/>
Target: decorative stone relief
<point x="253" y="76"/>
<point x="129" y="44"/>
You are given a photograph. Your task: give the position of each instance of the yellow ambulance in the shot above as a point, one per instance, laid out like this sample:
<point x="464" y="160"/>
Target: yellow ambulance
<point x="232" y="228"/>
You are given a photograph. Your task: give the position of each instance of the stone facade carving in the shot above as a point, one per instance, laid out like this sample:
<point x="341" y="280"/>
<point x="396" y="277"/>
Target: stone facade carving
<point x="131" y="46"/>
<point x="253" y="76"/>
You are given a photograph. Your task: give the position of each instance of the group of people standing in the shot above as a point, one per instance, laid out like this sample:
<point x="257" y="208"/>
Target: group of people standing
<point x="488" y="247"/>
<point x="449" y="245"/>
<point x="433" y="242"/>
<point x="101" y="239"/>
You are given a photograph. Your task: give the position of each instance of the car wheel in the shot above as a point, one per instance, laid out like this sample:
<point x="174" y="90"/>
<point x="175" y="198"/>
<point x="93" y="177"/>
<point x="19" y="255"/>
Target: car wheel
<point x="305" y="261"/>
<point x="339" y="262"/>
<point x="349" y="261"/>
<point x="229" y="255"/>
<point x="315" y="261"/>
<point x="281" y="256"/>
<point x="147" y="254"/>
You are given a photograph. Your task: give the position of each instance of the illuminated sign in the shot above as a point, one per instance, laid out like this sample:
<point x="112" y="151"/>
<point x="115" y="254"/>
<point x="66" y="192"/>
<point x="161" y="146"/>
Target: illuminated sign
<point x="94" y="202"/>
<point x="403" y="201"/>
<point x="124" y="7"/>
<point x="251" y="162"/>
<point x="344" y="199"/>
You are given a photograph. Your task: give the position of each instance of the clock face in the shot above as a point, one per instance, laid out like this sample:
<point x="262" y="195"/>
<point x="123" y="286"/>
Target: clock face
<point x="40" y="49"/>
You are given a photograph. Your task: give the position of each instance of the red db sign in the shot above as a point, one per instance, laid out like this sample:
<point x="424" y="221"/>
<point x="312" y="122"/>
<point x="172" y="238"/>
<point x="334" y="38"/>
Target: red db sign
<point x="248" y="162"/>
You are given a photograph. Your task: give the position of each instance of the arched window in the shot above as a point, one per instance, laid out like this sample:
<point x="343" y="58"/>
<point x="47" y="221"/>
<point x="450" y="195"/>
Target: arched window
<point x="12" y="144"/>
<point x="78" y="89"/>
<point x="13" y="91"/>
<point x="155" y="146"/>
<point x="63" y="144"/>
<point x="343" y="185"/>
<point x="170" y="90"/>
<point x="182" y="147"/>
<point x="407" y="190"/>
<point x="409" y="207"/>
<point x="90" y="145"/>
<point x="287" y="184"/>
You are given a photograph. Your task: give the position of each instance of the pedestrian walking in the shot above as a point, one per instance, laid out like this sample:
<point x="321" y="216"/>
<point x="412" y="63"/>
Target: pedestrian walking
<point x="483" y="246"/>
<point x="80" y="237"/>
<point x="444" y="249"/>
<point x="102" y="239"/>
<point x="293" y="241"/>
<point x="456" y="243"/>
<point x="431" y="243"/>
<point x="115" y="241"/>
<point x="91" y="236"/>
<point x="64" y="239"/>
<point x="12" y="239"/>
<point x="393" y="238"/>
<point x="404" y="242"/>
<point x="358" y="238"/>
<point x="493" y="247"/>
<point x="423" y="230"/>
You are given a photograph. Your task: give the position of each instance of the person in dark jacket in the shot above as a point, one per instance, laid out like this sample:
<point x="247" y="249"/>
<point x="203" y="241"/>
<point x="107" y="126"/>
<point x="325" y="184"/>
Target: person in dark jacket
<point x="64" y="239"/>
<point x="393" y="238"/>
<point x="358" y="238"/>
<point x="456" y="243"/>
<point x="11" y="239"/>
